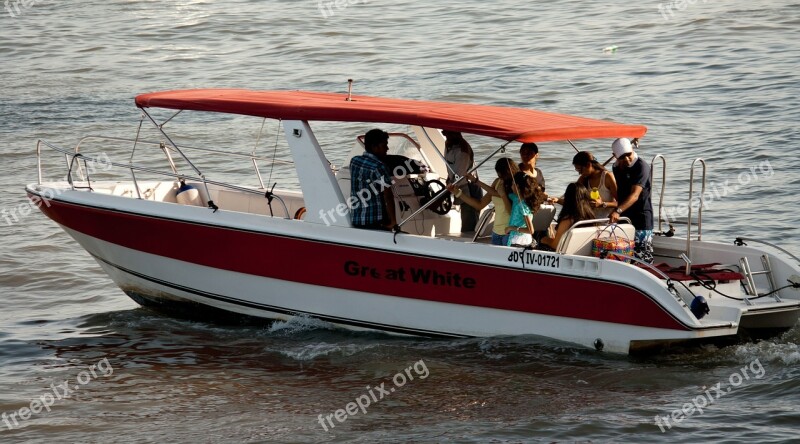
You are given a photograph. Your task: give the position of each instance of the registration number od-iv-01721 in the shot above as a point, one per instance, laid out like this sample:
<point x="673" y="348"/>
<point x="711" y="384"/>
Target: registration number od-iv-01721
<point x="534" y="258"/>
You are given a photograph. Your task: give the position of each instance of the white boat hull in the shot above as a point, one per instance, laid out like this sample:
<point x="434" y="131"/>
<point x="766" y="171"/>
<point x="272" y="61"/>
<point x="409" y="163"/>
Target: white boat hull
<point x="166" y="254"/>
<point x="171" y="283"/>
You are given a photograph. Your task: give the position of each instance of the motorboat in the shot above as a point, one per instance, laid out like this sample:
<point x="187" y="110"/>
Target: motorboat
<point x="179" y="241"/>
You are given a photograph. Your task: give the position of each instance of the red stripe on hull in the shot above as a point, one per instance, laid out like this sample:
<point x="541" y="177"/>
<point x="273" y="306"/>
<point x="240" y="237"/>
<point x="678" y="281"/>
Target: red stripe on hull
<point x="387" y="273"/>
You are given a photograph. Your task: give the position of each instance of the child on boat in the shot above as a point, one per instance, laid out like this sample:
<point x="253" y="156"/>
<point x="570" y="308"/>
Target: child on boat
<point x="498" y="194"/>
<point x="527" y="197"/>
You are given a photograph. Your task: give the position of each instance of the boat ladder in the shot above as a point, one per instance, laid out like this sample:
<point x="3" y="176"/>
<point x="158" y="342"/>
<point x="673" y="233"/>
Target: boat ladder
<point x="660" y="232"/>
<point x="749" y="281"/>
<point x="699" y="213"/>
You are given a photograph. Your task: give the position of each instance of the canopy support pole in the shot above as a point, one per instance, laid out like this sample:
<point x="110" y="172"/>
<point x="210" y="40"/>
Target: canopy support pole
<point x="502" y="148"/>
<point x="191" y="164"/>
<point x="441" y="156"/>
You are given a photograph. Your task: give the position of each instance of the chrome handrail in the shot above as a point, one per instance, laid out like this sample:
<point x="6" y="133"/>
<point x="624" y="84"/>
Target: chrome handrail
<point x="69" y="172"/>
<point x="663" y="184"/>
<point x="69" y="154"/>
<point x="39" y="161"/>
<point x="436" y="196"/>
<point x="185" y="147"/>
<point x="167" y="148"/>
<point x="699" y="212"/>
<point x="781" y="249"/>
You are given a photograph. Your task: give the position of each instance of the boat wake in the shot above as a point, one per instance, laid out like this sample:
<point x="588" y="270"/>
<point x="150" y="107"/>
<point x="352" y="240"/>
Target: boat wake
<point x="783" y="350"/>
<point x="299" y="324"/>
<point x="311" y="352"/>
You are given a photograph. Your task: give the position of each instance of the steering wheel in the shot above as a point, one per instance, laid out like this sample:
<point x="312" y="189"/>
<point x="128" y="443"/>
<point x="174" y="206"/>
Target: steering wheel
<point x="435" y="190"/>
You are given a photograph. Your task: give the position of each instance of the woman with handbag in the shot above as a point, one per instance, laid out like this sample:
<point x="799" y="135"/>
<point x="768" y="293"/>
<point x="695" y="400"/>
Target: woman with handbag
<point x="577" y="207"/>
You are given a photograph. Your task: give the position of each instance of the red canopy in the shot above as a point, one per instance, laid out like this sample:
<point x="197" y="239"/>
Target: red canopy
<point x="523" y="125"/>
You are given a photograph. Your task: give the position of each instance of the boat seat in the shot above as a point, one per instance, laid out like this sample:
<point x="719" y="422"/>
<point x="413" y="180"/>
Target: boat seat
<point x="485" y="225"/>
<point x="541" y="221"/>
<point x="578" y="241"/>
<point x="544" y="217"/>
<point x="343" y="179"/>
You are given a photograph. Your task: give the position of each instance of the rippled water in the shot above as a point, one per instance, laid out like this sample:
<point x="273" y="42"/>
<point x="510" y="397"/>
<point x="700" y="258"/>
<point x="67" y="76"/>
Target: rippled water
<point x="716" y="79"/>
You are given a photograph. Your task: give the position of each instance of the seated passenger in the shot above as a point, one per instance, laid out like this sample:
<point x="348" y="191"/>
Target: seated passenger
<point x="460" y="158"/>
<point x="525" y="200"/>
<point x="497" y="193"/>
<point x="370" y="185"/>
<point x="601" y="183"/>
<point x="577" y="207"/>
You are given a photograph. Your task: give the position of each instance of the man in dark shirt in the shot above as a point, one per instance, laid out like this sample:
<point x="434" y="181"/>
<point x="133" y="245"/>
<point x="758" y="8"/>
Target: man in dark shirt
<point x="633" y="194"/>
<point x="370" y="185"/>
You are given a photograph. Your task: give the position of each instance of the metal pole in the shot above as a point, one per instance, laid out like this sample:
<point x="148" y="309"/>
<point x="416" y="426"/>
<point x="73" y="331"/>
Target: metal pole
<point x="39" y="160"/>
<point x="133" y="153"/>
<point x="171" y="117"/>
<point x="700" y="212"/>
<point x="169" y="158"/>
<point x="434" y="199"/>
<point x="174" y="145"/>
<point x="573" y="145"/>
<point x="253" y="154"/>
<point x="663" y="183"/>
<point x="436" y="148"/>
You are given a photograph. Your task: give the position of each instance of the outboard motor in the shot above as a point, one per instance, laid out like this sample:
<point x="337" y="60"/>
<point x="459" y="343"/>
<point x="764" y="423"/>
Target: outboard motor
<point x="699" y="307"/>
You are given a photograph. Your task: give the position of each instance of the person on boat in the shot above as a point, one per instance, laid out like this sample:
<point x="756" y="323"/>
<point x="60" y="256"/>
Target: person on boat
<point x="497" y="194"/>
<point x="633" y="195"/>
<point x="529" y="154"/>
<point x="460" y="158"/>
<point x="370" y="185"/>
<point x="601" y="183"/>
<point x="528" y="195"/>
<point x="576" y="207"/>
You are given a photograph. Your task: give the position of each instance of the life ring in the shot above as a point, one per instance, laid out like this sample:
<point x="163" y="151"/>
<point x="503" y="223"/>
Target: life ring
<point x="300" y="213"/>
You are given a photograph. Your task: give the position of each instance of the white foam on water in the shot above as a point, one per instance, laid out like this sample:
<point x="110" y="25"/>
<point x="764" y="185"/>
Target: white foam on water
<point x="785" y="353"/>
<point x="299" y="324"/>
<point x="312" y="351"/>
<point x="486" y="346"/>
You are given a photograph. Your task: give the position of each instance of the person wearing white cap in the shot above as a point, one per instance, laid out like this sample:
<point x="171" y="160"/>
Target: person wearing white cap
<point x="633" y="194"/>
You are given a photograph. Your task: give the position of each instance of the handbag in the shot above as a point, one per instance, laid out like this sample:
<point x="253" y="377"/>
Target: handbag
<point x="612" y="243"/>
<point x="517" y="239"/>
